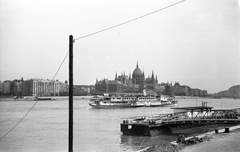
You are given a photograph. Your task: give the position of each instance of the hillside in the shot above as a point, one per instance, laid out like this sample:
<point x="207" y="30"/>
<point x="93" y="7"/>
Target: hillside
<point x="232" y="92"/>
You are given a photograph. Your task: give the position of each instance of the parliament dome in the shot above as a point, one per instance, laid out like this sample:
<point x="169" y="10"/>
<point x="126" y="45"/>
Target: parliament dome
<point x="137" y="71"/>
<point x="137" y="75"/>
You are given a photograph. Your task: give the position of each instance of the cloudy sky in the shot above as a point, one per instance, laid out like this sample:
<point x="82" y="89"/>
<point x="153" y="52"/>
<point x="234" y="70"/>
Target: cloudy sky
<point x="195" y="43"/>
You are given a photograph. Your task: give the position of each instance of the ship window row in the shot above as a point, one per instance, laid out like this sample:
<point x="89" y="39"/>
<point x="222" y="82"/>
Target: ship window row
<point x="128" y="98"/>
<point x="124" y="98"/>
<point x="146" y="98"/>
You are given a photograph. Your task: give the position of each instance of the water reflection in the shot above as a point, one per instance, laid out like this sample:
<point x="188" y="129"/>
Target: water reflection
<point x="137" y="143"/>
<point x="134" y="142"/>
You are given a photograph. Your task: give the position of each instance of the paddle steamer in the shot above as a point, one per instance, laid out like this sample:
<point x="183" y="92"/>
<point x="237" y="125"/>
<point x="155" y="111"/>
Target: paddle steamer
<point x="133" y="101"/>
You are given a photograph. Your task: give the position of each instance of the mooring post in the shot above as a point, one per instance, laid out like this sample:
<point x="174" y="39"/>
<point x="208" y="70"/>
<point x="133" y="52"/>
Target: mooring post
<point x="70" y="134"/>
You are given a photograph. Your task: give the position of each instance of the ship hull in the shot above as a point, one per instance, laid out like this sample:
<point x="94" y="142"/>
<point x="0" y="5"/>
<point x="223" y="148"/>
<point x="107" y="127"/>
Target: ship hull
<point x="114" y="106"/>
<point x="43" y="98"/>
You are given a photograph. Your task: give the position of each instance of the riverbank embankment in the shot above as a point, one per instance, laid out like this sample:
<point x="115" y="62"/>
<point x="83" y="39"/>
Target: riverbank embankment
<point x="218" y="142"/>
<point x="31" y="98"/>
<point x="221" y="141"/>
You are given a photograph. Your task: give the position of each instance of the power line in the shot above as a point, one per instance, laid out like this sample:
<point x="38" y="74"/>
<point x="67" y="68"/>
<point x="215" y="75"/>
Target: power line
<point x="34" y="103"/>
<point x="60" y="66"/>
<point x="19" y="121"/>
<point x="145" y="15"/>
<point x="57" y="71"/>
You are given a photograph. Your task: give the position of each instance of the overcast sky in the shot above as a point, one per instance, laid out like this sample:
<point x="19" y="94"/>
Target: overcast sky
<point x="195" y="43"/>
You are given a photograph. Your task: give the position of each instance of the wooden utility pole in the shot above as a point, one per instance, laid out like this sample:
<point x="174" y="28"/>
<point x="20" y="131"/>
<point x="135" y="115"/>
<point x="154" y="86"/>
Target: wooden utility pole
<point x="70" y="134"/>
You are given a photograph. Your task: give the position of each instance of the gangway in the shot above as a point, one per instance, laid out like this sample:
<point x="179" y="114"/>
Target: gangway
<point x="182" y="117"/>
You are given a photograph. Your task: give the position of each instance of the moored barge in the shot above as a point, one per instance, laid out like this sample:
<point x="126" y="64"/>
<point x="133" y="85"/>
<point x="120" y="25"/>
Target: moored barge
<point x="182" y="117"/>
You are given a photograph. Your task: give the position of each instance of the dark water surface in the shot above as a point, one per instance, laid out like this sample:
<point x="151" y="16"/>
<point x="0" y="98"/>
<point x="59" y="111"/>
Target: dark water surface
<point x="95" y="130"/>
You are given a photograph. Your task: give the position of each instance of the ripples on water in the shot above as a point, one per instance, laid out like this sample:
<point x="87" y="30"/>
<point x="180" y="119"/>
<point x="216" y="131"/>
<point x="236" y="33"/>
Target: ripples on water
<point x="46" y="126"/>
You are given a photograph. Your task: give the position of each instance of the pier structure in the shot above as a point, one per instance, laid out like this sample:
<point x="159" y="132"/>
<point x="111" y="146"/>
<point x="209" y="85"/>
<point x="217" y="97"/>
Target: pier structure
<point x="182" y="117"/>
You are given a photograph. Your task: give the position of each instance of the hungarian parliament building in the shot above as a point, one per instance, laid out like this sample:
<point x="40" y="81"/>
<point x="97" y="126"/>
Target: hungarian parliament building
<point x="134" y="83"/>
<point x="137" y="82"/>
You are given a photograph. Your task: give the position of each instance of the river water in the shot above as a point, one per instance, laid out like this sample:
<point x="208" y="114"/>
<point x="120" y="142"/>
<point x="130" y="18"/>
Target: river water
<point x="45" y="128"/>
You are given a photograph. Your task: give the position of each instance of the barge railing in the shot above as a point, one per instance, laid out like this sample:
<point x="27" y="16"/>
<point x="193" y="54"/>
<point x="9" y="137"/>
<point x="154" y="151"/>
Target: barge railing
<point x="196" y="117"/>
<point x="186" y="116"/>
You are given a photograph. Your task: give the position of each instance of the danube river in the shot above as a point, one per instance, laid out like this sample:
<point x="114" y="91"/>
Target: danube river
<point x="45" y="128"/>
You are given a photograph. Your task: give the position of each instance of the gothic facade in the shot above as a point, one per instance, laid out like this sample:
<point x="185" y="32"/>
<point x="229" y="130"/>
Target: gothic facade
<point x="132" y="83"/>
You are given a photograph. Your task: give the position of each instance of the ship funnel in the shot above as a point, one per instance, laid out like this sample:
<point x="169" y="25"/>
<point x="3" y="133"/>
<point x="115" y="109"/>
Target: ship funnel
<point x="144" y="93"/>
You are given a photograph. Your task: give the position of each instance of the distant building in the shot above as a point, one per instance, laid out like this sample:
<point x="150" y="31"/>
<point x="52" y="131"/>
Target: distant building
<point x="167" y="88"/>
<point x="160" y="89"/>
<point x="151" y="84"/>
<point x="35" y="87"/>
<point x="41" y="87"/>
<point x="1" y="87"/>
<point x="7" y="87"/>
<point x="205" y="93"/>
<point x="198" y="92"/>
<point x="64" y="88"/>
<point x="193" y="92"/>
<point x="115" y="86"/>
<point x="184" y="90"/>
<point x="81" y="90"/>
<point x="17" y="87"/>
<point x="178" y="90"/>
<point x="134" y="83"/>
<point x="101" y="86"/>
<point x="137" y="82"/>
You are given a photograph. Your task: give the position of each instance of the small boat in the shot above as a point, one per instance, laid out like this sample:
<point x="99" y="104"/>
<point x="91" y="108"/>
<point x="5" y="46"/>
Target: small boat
<point x="107" y="101"/>
<point x="44" y="98"/>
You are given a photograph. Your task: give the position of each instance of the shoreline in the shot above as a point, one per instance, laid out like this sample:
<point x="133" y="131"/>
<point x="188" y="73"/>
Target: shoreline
<point x="30" y="98"/>
<point x="216" y="142"/>
<point x="211" y="133"/>
<point x="211" y="141"/>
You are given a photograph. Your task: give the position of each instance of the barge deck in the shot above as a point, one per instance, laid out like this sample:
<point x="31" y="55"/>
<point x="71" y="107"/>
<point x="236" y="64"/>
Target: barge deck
<point x="182" y="117"/>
